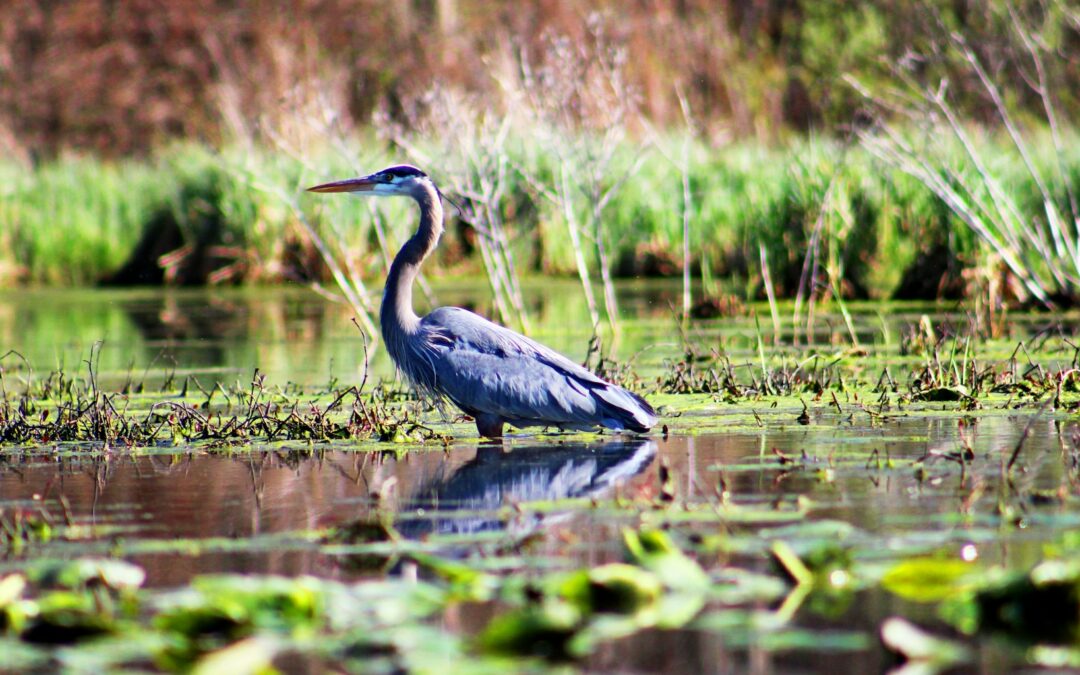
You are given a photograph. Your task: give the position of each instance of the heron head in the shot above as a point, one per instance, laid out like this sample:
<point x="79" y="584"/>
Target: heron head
<point x="402" y="179"/>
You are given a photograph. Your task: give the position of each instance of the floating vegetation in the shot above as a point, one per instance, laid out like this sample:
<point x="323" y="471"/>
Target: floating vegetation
<point x="60" y="407"/>
<point x="808" y="499"/>
<point x="89" y="605"/>
<point x="63" y="409"/>
<point x="1037" y="611"/>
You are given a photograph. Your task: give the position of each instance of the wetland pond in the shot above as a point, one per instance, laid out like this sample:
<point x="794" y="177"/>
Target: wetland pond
<point x="218" y="479"/>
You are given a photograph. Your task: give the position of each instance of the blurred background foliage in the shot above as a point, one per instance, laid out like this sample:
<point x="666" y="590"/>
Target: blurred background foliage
<point x="121" y="78"/>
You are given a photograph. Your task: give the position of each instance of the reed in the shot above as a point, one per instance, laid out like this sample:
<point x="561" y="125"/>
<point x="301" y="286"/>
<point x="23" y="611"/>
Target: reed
<point x="867" y="229"/>
<point x="72" y="220"/>
<point x="1016" y="192"/>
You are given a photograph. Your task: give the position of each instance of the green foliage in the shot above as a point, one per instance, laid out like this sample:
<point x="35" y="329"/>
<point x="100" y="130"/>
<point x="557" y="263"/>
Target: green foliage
<point x="545" y="631"/>
<point x="654" y="550"/>
<point x="75" y="219"/>
<point x="1039" y="608"/>
<point x="82" y="573"/>
<point x="614" y="588"/>
<point x="218" y="611"/>
<point x="929" y="579"/>
<point x="233" y="215"/>
<point x="862" y="29"/>
<point x="236" y="215"/>
<point x="80" y="599"/>
<point x="664" y="588"/>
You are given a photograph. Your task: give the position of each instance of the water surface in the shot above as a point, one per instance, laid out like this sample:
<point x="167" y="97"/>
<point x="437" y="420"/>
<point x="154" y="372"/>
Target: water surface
<point x="893" y="483"/>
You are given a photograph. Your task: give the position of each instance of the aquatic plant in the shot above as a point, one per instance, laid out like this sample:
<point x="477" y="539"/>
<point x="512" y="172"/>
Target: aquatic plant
<point x="61" y="408"/>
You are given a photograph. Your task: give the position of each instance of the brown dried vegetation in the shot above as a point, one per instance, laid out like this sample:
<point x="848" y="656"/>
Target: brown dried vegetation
<point x="119" y="77"/>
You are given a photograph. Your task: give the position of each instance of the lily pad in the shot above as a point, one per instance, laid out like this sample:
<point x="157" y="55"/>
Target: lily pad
<point x="929" y="579"/>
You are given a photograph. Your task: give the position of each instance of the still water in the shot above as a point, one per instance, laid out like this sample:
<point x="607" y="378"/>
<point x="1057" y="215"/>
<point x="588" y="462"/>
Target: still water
<point x="252" y="509"/>
<point x="290" y="334"/>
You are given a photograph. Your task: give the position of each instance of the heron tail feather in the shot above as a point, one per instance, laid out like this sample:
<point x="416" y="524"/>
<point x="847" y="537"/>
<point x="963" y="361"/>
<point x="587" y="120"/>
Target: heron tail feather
<point x="622" y="409"/>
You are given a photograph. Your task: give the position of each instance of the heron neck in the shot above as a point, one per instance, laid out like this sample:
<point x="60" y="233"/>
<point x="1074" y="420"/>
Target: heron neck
<point x="397" y="315"/>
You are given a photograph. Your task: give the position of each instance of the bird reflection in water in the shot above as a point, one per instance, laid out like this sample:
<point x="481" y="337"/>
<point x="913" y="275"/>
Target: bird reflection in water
<point x="469" y="501"/>
<point x="495" y="478"/>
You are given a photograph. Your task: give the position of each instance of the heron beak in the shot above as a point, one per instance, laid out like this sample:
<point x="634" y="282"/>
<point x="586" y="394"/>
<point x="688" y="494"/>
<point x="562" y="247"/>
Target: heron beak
<point x="365" y="184"/>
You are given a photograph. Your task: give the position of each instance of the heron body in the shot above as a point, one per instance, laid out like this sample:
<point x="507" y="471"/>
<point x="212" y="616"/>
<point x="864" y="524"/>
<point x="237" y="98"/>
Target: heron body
<point x="488" y="371"/>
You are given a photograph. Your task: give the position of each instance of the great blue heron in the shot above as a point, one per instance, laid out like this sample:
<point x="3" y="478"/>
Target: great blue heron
<point x="492" y="373"/>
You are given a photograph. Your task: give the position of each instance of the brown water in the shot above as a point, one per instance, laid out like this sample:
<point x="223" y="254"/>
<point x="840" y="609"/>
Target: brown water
<point x="265" y="500"/>
<point x="252" y="509"/>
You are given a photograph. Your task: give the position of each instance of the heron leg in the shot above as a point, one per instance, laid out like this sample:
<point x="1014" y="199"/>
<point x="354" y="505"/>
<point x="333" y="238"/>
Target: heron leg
<point x="489" y="426"/>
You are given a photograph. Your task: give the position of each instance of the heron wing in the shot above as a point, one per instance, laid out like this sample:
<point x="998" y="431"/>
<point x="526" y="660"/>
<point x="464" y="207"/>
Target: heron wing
<point x="485" y="368"/>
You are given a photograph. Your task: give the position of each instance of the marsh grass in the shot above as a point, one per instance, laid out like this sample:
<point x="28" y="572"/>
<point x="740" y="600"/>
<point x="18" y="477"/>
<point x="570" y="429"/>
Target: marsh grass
<point x="832" y="221"/>
<point x="1020" y="201"/>
<point x="61" y="408"/>
<point x="943" y="365"/>
<point x="76" y="219"/>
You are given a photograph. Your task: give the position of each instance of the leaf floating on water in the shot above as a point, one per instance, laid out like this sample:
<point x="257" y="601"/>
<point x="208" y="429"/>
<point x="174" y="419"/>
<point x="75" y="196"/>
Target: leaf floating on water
<point x="764" y="630"/>
<point x="466" y="582"/>
<point x="218" y="610"/>
<point x="65" y="617"/>
<point x="1049" y="656"/>
<point x="114" y="574"/>
<point x="614" y="588"/>
<point x="675" y="610"/>
<point x="799" y="573"/>
<point x="11" y="587"/>
<point x="654" y="550"/>
<point x="928" y="579"/>
<point x="546" y="631"/>
<point x="925" y="653"/>
<point x="253" y="655"/>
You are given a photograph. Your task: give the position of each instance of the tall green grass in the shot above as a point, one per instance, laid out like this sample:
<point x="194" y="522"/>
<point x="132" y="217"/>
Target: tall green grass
<point x="1019" y="199"/>
<point x="77" y="220"/>
<point x="73" y="220"/>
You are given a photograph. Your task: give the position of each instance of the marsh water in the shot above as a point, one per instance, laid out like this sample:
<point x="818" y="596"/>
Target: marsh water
<point x="741" y="474"/>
